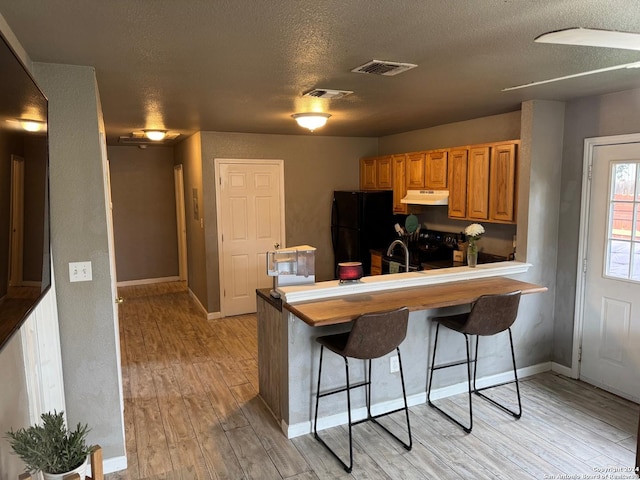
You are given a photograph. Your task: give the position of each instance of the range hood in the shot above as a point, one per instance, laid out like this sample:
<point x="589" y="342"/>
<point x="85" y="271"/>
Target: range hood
<point x="426" y="197"/>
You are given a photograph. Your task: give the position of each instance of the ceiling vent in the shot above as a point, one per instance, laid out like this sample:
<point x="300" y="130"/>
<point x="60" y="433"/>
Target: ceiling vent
<point x="327" y="93"/>
<point x="380" y="67"/>
<point x="139" y="138"/>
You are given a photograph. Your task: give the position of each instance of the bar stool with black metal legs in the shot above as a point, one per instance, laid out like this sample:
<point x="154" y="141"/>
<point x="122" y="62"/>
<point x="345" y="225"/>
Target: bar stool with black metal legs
<point x="489" y="315"/>
<point x="373" y="335"/>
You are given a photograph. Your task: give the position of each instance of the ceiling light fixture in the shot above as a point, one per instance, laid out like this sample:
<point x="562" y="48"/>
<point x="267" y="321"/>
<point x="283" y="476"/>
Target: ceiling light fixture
<point x="31" y="125"/>
<point x="592" y="37"/>
<point x="155" y="135"/>
<point x="311" y="120"/>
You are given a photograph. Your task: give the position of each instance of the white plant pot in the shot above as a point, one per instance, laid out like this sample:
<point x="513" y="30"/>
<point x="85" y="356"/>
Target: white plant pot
<point x="81" y="470"/>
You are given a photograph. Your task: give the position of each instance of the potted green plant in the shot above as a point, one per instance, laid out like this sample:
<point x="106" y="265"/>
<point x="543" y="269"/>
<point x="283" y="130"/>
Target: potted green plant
<point x="51" y="448"/>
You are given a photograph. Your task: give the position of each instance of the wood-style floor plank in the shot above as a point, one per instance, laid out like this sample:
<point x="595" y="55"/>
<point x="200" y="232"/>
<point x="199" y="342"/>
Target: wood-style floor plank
<point x="192" y="413"/>
<point x="251" y="454"/>
<point x="286" y="458"/>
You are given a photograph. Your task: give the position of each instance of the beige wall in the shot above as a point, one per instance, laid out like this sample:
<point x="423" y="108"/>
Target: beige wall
<point x="88" y="329"/>
<point x="144" y="213"/>
<point x="314" y="166"/>
<point x="599" y="116"/>
<point x="495" y="128"/>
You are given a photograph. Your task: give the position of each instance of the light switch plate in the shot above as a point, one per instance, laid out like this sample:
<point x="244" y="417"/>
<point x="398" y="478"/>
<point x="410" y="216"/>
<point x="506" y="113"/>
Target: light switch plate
<point x="80" y="272"/>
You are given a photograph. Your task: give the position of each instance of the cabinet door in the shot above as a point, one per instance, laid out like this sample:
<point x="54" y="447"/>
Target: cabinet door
<point x="399" y="184"/>
<point x="436" y="170"/>
<point x="458" y="183"/>
<point x="368" y="173"/>
<point x="415" y="170"/>
<point x="502" y="185"/>
<point x="478" y="183"/>
<point x="376" y="264"/>
<point x="384" y="175"/>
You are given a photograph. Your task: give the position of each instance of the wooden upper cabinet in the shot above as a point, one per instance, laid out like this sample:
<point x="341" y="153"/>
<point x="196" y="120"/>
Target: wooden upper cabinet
<point x="481" y="179"/>
<point x="368" y="171"/>
<point x="415" y="170"/>
<point x="376" y="173"/>
<point x="478" y="183"/>
<point x="502" y="184"/>
<point x="399" y="183"/>
<point x="436" y="170"/>
<point x="384" y="173"/>
<point x="458" y="183"/>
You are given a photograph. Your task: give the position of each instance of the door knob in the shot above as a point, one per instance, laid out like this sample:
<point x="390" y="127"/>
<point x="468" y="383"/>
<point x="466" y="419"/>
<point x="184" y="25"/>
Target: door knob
<point x="120" y="300"/>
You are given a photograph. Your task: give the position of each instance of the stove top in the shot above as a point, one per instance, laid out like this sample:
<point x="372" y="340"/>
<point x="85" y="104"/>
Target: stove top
<point x="430" y="246"/>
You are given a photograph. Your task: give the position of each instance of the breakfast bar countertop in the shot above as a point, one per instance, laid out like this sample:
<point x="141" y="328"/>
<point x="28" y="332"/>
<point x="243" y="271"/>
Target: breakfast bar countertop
<point x="332" y="311"/>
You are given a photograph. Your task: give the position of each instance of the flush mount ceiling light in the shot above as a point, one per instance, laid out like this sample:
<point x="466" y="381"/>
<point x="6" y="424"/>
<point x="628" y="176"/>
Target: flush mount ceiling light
<point x="31" y="125"/>
<point x="28" y="125"/>
<point x="592" y="37"/>
<point x="140" y="137"/>
<point x="311" y="120"/>
<point x="155" y="135"/>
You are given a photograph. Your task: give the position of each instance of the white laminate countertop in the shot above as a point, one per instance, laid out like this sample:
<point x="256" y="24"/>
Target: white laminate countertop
<point x="333" y="288"/>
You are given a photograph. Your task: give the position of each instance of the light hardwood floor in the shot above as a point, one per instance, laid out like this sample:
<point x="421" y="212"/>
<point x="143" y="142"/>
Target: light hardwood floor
<point x="192" y="412"/>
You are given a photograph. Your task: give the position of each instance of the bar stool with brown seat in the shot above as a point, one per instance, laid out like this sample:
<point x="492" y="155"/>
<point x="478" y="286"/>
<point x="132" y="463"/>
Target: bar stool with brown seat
<point x="373" y="335"/>
<point x="489" y="315"/>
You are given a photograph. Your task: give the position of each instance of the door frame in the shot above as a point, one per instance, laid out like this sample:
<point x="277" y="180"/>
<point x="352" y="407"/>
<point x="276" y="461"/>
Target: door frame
<point x="181" y="221"/>
<point x="16" y="220"/>
<point x="585" y="210"/>
<point x="217" y="163"/>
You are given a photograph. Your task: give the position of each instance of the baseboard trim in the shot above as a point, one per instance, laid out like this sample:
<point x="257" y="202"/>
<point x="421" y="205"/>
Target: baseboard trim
<point x="213" y="315"/>
<point x="147" y="281"/>
<point x="562" y="370"/>
<point x="303" y="428"/>
<point x="461" y="387"/>
<point x="111" y="465"/>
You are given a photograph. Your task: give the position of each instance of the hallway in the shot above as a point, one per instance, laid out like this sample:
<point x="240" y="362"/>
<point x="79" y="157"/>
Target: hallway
<point x="192" y="412"/>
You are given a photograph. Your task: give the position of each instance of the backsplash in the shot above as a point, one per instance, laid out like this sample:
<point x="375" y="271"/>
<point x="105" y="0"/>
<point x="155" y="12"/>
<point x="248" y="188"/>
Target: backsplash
<point x="497" y="240"/>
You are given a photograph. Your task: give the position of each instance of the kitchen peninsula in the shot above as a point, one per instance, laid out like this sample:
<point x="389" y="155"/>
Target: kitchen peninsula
<point x="287" y="328"/>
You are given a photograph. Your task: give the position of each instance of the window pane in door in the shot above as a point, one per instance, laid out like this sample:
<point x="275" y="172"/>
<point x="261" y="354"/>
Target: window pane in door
<point x="618" y="259"/>
<point x="623" y="235"/>
<point x="622" y="218"/>
<point x="624" y="180"/>
<point x="635" y="265"/>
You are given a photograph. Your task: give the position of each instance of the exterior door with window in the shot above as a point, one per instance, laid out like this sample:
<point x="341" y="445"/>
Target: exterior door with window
<point x="611" y="329"/>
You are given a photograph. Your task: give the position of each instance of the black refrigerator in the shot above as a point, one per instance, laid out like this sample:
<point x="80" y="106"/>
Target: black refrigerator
<point x="360" y="221"/>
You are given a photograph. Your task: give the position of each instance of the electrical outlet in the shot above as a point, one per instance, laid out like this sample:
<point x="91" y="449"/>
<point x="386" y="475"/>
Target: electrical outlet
<point x="394" y="365"/>
<point x="80" y="272"/>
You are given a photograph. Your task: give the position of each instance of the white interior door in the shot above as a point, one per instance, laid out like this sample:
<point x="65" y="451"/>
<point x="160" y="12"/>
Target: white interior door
<point x="611" y="325"/>
<point x="250" y="198"/>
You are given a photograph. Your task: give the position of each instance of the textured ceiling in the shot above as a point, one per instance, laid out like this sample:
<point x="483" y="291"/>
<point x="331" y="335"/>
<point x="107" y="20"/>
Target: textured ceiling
<point x="242" y="66"/>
